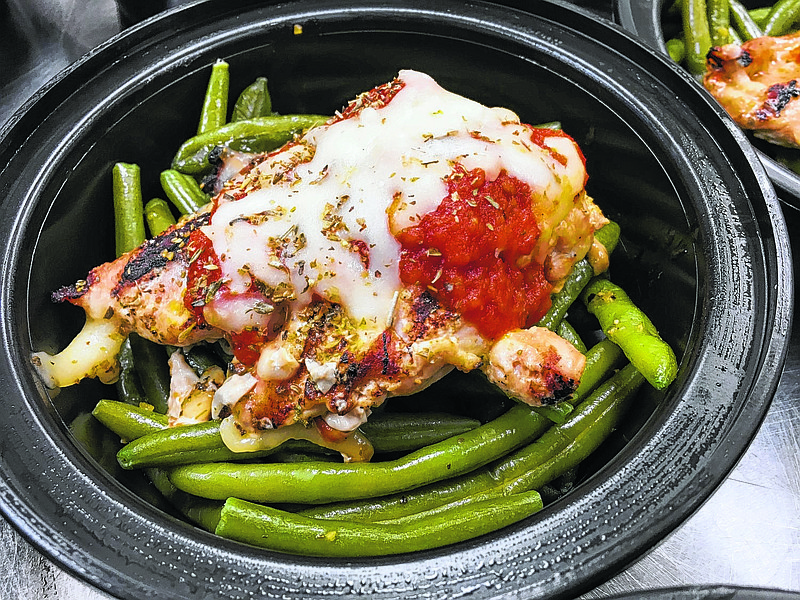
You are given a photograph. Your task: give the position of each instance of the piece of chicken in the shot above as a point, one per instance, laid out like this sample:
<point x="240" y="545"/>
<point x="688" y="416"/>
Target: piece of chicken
<point x="416" y="232"/>
<point x="757" y="84"/>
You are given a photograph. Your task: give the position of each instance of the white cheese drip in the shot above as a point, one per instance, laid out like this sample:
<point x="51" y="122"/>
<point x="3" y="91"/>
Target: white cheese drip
<point x="371" y="175"/>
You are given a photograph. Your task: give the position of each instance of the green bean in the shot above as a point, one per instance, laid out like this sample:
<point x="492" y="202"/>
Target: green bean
<point x="288" y="532"/>
<point x="603" y="358"/>
<point x="676" y="48"/>
<point x="128" y="210"/>
<point x="557" y="413"/>
<point x="296" y="456"/>
<point x="484" y="494"/>
<point x="259" y="134"/>
<point x="158" y="216"/>
<point x="626" y="325"/>
<point x="759" y="15"/>
<point x="199" y="511"/>
<point x="577" y="279"/>
<point x="719" y="21"/>
<point x="187" y="444"/>
<point x="406" y="432"/>
<point x="600" y="361"/>
<point x="567" y="331"/>
<point x="200" y="359"/>
<point x="128" y="385"/>
<point x="675" y="8"/>
<point x="127" y="421"/>
<point x="745" y="26"/>
<point x="151" y="367"/>
<point x="202" y="442"/>
<point x="99" y="442"/>
<point x="697" y="34"/>
<point x="318" y="483"/>
<point x="254" y="101"/>
<point x="563" y="448"/>
<point x="215" y="103"/>
<point x="183" y="191"/>
<point x="548" y="125"/>
<point x="783" y="15"/>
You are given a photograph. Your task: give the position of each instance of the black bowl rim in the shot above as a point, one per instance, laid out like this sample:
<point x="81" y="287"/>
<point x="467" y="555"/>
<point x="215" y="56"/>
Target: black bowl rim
<point x="709" y="592"/>
<point x="468" y="568"/>
<point x="642" y="18"/>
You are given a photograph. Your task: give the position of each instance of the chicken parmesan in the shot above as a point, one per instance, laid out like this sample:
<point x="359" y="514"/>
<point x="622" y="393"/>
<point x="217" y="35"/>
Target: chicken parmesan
<point x="415" y="232"/>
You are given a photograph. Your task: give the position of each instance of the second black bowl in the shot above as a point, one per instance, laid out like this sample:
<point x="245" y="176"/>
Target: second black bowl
<point x="643" y="19"/>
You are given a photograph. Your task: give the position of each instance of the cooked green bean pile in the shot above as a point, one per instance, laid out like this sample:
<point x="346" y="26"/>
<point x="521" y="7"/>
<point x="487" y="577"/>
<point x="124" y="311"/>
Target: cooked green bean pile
<point x="693" y="27"/>
<point x="436" y="478"/>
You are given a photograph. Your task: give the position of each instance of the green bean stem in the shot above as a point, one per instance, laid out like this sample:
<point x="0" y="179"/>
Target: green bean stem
<point x="626" y="325"/>
<point x="183" y="191"/>
<point x="158" y="216"/>
<point x="288" y="532"/>
<point x="128" y="209"/>
<point x="214" y="113"/>
<point x="319" y="483"/>
<point x="259" y="134"/>
<point x="697" y="34"/>
<point x="253" y="102"/>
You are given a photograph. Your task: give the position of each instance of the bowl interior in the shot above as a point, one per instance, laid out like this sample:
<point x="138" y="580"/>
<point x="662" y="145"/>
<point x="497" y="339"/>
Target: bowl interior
<point x="698" y="253"/>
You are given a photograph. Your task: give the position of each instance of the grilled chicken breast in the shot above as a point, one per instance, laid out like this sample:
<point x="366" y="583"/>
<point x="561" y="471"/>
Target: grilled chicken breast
<point x="757" y="84"/>
<point x="415" y="232"/>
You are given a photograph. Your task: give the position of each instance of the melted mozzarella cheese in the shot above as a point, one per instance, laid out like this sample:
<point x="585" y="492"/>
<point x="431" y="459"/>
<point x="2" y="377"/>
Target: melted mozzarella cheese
<point x="328" y="222"/>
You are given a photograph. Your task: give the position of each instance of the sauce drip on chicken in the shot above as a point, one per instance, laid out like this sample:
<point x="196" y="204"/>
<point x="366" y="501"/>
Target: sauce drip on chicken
<point x="415" y="232"/>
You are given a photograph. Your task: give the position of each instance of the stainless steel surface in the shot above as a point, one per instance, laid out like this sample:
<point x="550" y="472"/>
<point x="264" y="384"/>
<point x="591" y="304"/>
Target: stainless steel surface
<point x="747" y="533"/>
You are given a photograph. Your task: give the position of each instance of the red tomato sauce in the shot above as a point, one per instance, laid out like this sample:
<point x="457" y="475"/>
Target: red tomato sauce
<point x="203" y="277"/>
<point x="204" y="283"/>
<point x="247" y="344"/>
<point x="472" y="253"/>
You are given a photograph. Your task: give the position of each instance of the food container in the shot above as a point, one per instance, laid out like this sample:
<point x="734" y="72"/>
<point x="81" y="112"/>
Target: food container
<point x="704" y="251"/>
<point x="643" y="19"/>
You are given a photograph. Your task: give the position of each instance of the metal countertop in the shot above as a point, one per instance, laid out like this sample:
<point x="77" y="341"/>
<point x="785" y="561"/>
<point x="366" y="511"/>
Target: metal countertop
<point x="746" y="534"/>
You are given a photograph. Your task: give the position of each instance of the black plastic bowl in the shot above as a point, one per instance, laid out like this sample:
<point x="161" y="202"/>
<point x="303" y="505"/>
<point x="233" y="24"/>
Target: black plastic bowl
<point x="643" y="19"/>
<point x="704" y="251"/>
